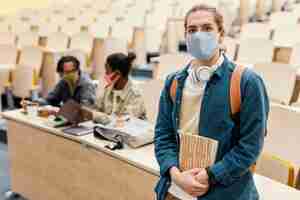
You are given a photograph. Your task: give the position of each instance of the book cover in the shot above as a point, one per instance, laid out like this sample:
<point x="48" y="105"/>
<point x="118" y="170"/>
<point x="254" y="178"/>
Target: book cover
<point x="195" y="152"/>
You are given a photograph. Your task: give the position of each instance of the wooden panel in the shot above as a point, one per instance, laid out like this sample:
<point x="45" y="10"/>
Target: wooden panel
<point x="45" y="166"/>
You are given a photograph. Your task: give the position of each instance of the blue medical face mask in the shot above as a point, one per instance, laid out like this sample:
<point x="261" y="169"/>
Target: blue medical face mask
<point x="202" y="45"/>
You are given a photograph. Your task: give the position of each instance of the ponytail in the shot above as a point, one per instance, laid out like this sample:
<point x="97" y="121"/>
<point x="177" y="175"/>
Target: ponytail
<point x="121" y="62"/>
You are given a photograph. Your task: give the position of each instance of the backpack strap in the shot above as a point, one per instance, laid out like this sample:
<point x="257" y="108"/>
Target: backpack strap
<point x="235" y="89"/>
<point x="173" y="89"/>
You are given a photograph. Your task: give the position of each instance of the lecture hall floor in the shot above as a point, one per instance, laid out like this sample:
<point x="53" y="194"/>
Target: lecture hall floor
<point x="4" y="173"/>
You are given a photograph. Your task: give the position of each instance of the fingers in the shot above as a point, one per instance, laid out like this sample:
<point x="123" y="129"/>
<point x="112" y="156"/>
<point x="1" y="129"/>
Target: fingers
<point x="191" y="185"/>
<point x="199" y="187"/>
<point x="200" y="179"/>
<point x="199" y="191"/>
<point x="194" y="171"/>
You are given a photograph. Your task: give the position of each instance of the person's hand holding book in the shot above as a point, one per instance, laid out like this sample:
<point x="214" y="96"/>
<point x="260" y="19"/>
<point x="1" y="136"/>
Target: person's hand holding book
<point x="194" y="181"/>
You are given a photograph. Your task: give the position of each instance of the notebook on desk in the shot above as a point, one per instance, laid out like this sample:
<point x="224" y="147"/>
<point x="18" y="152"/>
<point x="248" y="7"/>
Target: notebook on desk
<point x="78" y="130"/>
<point x="195" y="152"/>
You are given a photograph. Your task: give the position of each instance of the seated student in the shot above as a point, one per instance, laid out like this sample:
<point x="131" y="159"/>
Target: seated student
<point x="74" y="84"/>
<point x="119" y="97"/>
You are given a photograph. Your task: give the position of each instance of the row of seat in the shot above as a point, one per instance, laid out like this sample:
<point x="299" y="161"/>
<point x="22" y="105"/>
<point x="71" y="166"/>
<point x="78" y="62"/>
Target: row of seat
<point x="56" y="41"/>
<point x="285" y="92"/>
<point x="254" y="35"/>
<point x="73" y="25"/>
<point x="168" y="8"/>
<point x="41" y="63"/>
<point x="267" y="51"/>
<point x="156" y="22"/>
<point x="265" y="31"/>
<point x="125" y="23"/>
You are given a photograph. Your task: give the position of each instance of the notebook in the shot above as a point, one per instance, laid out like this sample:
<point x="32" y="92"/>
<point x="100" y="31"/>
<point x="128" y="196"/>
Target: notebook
<point x="195" y="152"/>
<point x="78" y="130"/>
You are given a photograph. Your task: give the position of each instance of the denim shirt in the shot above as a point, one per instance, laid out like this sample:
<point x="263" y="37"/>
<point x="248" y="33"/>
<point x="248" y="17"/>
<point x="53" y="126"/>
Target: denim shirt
<point x="240" y="138"/>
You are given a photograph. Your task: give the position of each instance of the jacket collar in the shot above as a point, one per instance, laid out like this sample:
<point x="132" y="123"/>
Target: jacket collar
<point x="227" y="64"/>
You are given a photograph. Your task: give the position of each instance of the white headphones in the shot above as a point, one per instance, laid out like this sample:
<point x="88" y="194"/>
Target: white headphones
<point x="201" y="74"/>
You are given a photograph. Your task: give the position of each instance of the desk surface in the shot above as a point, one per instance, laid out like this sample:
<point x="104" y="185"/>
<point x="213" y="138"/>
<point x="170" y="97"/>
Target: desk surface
<point x="144" y="158"/>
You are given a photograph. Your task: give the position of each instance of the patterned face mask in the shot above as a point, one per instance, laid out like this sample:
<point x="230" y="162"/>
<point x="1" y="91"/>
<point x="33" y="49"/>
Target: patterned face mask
<point x="71" y="79"/>
<point x="110" y="79"/>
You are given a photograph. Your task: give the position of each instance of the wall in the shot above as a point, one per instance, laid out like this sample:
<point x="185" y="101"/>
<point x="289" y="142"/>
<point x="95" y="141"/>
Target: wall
<point x="11" y="6"/>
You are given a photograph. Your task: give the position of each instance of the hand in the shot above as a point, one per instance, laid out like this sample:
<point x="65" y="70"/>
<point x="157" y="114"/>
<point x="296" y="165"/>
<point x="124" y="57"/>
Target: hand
<point x="101" y="118"/>
<point x="202" y="177"/>
<point x="187" y="181"/>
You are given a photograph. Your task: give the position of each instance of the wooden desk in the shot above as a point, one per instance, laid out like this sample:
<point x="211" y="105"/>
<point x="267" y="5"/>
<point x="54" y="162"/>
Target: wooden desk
<point x="47" y="164"/>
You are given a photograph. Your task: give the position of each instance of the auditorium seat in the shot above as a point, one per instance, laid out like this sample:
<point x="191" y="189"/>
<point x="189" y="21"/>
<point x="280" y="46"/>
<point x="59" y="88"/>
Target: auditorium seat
<point x="7" y="38"/>
<point x="151" y="93"/>
<point x="8" y="61"/>
<point x="255" y="50"/>
<point x="283" y="136"/>
<point x="276" y="168"/>
<point x="168" y="63"/>
<point x="255" y="30"/>
<point x="28" y="39"/>
<point x="57" y="41"/>
<point x="279" y="79"/>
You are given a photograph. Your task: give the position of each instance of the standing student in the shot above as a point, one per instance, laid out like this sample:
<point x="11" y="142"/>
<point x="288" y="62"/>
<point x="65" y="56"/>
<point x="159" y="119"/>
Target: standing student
<point x="201" y="103"/>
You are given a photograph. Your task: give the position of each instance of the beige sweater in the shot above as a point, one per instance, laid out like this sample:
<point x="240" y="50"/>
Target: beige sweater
<point x="190" y="112"/>
<point x="192" y="100"/>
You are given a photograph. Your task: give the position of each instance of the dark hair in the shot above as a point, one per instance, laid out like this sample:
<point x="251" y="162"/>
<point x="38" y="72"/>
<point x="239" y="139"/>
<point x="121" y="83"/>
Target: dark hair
<point x="202" y="7"/>
<point x="121" y="62"/>
<point x="65" y="59"/>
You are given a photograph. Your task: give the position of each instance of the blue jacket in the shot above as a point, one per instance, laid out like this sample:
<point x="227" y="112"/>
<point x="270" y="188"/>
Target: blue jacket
<point x="240" y="141"/>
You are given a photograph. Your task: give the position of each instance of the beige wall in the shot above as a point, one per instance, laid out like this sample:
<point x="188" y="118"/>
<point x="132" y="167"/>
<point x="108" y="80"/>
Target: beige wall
<point x="11" y="6"/>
